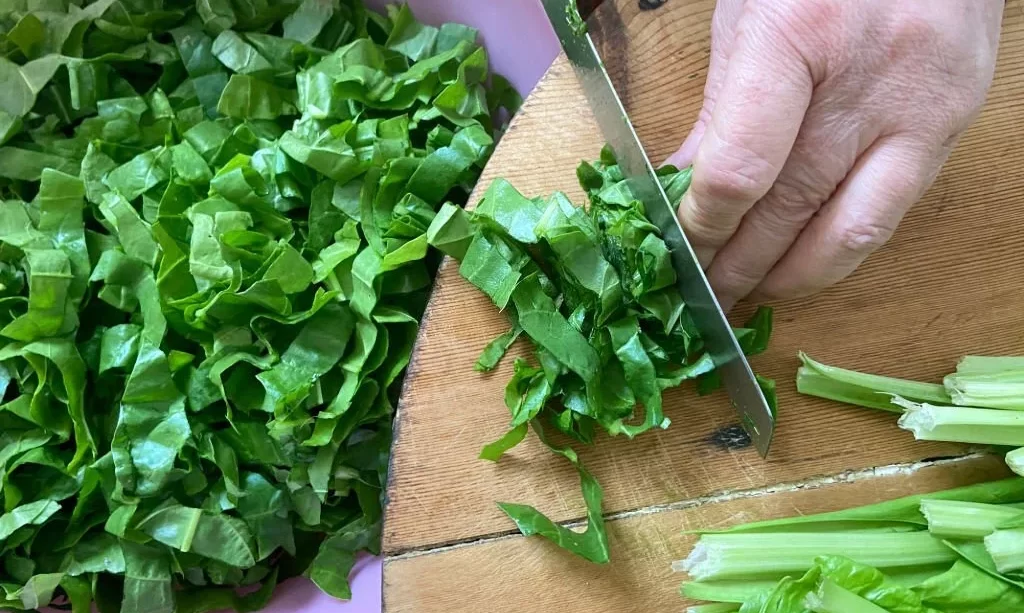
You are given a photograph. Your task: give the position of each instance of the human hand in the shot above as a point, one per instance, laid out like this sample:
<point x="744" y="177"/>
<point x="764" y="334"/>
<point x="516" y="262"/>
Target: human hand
<point x="823" y="122"/>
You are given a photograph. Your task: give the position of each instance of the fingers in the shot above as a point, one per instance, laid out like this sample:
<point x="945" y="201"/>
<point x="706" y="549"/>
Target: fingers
<point x="723" y="31"/>
<point x="864" y="212"/>
<point x="824" y="153"/>
<point x="756" y="118"/>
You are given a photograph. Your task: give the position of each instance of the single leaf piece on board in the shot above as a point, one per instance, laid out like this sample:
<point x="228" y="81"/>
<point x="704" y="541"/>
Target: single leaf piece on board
<point x="592" y="544"/>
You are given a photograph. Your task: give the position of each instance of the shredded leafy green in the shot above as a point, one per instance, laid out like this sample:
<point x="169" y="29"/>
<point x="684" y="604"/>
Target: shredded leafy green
<point x="213" y="260"/>
<point x="593" y="289"/>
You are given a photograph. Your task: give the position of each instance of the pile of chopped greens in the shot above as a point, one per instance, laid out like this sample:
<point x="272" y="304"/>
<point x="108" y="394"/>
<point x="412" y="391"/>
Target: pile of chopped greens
<point x="981" y="403"/>
<point x="213" y="260"/>
<point x="955" y="551"/>
<point x="594" y="291"/>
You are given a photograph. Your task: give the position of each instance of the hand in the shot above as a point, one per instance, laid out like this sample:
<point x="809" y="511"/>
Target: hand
<point x="823" y="122"/>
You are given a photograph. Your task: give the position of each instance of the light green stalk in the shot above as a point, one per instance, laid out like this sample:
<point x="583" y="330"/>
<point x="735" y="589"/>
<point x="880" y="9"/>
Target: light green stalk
<point x="966" y="520"/>
<point x="993" y="382"/>
<point x="715" y="607"/>
<point x="813" y="383"/>
<point x="734" y="556"/>
<point x="726" y="591"/>
<point x="987" y="364"/>
<point x="862" y="389"/>
<point x="1007" y="549"/>
<point x="962" y="424"/>
<point x="995" y="391"/>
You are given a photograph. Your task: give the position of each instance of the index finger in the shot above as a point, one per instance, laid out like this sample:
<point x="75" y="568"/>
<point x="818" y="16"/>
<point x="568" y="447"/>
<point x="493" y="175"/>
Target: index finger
<point x="757" y="116"/>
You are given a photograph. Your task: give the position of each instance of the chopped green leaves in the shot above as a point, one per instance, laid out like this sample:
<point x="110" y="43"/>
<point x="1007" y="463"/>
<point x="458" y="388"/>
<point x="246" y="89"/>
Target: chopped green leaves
<point x="213" y="260"/>
<point x="593" y="289"/>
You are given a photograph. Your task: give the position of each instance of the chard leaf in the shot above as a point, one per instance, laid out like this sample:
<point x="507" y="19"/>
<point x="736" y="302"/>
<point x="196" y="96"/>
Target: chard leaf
<point x="550" y="330"/>
<point x="494" y="451"/>
<point x="152" y="427"/>
<point x="496" y="349"/>
<point x="870" y="584"/>
<point x="966" y="589"/>
<point x="219" y="537"/>
<point x="592" y="544"/>
<point x="27" y="514"/>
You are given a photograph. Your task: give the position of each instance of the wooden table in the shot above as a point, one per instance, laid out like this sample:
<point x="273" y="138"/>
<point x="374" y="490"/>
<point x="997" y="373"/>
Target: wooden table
<point x="951" y="282"/>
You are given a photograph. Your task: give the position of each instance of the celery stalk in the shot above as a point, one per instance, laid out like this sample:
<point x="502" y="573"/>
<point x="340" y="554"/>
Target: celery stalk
<point x="832" y="598"/>
<point x="736" y="556"/>
<point x="1003" y="390"/>
<point x="1015" y="460"/>
<point x="987" y="364"/>
<point x="1007" y="549"/>
<point x="962" y="424"/>
<point x="715" y="607"/>
<point x="992" y="382"/>
<point x="965" y="520"/>
<point x="813" y="383"/>
<point x="862" y="388"/>
<point x="726" y="591"/>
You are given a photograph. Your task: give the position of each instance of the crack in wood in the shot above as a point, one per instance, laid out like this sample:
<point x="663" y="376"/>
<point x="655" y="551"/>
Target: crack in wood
<point x="850" y="476"/>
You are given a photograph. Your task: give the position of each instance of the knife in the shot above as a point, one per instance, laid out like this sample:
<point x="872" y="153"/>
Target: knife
<point x="568" y="21"/>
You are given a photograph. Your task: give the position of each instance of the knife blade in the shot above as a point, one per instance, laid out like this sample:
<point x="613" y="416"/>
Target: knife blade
<point x="738" y="378"/>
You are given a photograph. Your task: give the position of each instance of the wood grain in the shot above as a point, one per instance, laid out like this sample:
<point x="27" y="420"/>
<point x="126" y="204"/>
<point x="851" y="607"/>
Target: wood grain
<point x="516" y="574"/>
<point x="949" y="283"/>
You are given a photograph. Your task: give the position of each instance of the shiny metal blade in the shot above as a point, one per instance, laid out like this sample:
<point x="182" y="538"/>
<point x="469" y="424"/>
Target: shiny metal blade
<point x="739" y="380"/>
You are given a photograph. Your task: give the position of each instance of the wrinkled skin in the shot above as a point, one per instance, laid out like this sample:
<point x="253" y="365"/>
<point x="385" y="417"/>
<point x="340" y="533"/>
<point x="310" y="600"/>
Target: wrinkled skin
<point x="823" y="122"/>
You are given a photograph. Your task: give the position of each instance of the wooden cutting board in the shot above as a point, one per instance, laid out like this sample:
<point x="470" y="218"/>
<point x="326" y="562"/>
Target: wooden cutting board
<point x="951" y="282"/>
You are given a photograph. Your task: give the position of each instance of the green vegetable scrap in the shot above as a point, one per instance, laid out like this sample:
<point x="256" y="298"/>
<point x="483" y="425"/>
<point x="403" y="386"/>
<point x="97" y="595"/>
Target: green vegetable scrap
<point x="594" y="291"/>
<point x="955" y="551"/>
<point x="213" y="260"/>
<point x="574" y="19"/>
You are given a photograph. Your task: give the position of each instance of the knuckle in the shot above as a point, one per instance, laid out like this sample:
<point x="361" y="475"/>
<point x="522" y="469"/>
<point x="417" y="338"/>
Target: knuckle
<point x="808" y="27"/>
<point x="704" y="115"/>
<point x="973" y="100"/>
<point x="735" y="281"/>
<point x="862" y="237"/>
<point x="795" y="198"/>
<point x="703" y="227"/>
<point x="735" y="175"/>
<point x="779" y="212"/>
<point x="809" y="17"/>
<point x="807" y="185"/>
<point x="913" y="30"/>
<point x="729" y="185"/>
